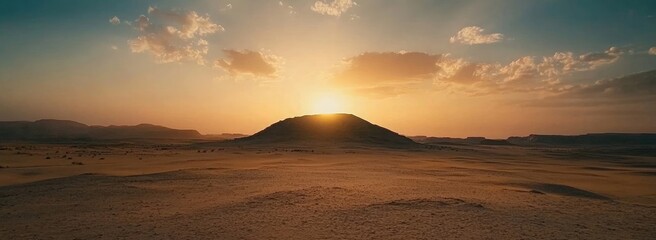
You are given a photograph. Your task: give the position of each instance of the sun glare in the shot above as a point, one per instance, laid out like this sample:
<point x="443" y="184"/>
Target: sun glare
<point x="327" y="103"/>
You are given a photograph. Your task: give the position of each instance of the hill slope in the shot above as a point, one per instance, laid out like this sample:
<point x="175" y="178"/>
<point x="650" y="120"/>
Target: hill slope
<point x="328" y="129"/>
<point x="588" y="139"/>
<point x="49" y="129"/>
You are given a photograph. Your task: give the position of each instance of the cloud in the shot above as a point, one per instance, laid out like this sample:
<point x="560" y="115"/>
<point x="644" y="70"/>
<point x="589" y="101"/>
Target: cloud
<point x="190" y="23"/>
<point x="601" y="58"/>
<point x="227" y="7"/>
<point x="548" y="69"/>
<point x="564" y="63"/>
<point x="652" y="51"/>
<point x="634" y="85"/>
<point x="474" y="35"/>
<point x="289" y="7"/>
<point x="638" y="90"/>
<point x="165" y="51"/>
<point x="114" y="47"/>
<point x="460" y="71"/>
<point x="380" y="72"/>
<point x="115" y="20"/>
<point x="387" y="67"/>
<point x="528" y="73"/>
<point x="524" y="68"/>
<point x="332" y="8"/>
<point x="255" y="63"/>
<point x="386" y="74"/>
<point x="173" y="36"/>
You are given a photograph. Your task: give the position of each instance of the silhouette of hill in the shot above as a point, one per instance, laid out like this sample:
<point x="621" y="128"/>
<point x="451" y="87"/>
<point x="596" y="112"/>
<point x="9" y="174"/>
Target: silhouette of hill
<point x="536" y="139"/>
<point x="50" y="129"/>
<point x="459" y="141"/>
<point x="588" y="139"/>
<point x="327" y="129"/>
<point x="224" y="136"/>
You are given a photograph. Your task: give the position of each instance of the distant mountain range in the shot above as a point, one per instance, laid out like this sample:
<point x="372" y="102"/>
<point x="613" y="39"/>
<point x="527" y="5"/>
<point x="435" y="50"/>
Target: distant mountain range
<point x="319" y="129"/>
<point x="469" y="140"/>
<point x="536" y="139"/>
<point x="587" y="139"/>
<point x="49" y="129"/>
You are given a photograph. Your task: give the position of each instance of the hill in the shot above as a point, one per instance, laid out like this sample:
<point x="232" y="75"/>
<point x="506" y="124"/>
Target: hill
<point x="459" y="141"/>
<point x="50" y="129"/>
<point x="327" y="129"/>
<point x="588" y="139"/>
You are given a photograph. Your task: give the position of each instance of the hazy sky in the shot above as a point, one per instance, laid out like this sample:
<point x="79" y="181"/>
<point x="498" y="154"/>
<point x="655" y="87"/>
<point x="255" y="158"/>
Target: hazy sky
<point x="442" y="68"/>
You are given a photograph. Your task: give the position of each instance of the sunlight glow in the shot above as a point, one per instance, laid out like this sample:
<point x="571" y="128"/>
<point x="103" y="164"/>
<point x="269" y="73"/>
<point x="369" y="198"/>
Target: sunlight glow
<point x="328" y="103"/>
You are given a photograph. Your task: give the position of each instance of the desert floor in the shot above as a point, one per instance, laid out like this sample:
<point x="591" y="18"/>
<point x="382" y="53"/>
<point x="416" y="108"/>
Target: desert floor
<point x="454" y="192"/>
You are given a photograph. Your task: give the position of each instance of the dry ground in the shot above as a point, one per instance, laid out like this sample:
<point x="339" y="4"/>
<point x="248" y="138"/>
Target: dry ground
<point x="454" y="192"/>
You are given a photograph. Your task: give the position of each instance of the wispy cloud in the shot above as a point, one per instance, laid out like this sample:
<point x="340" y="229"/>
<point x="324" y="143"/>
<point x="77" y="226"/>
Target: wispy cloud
<point x="475" y="35"/>
<point x="382" y="72"/>
<point x="226" y="7"/>
<point x="290" y="8"/>
<point x="631" y="86"/>
<point x="386" y="74"/>
<point x="387" y="67"/>
<point x="115" y="20"/>
<point x="256" y="63"/>
<point x="635" y="91"/>
<point x="190" y="23"/>
<point x="529" y="69"/>
<point x="332" y="8"/>
<point x="173" y="36"/>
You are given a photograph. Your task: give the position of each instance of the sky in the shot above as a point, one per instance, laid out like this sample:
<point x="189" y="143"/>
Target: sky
<point x="488" y="68"/>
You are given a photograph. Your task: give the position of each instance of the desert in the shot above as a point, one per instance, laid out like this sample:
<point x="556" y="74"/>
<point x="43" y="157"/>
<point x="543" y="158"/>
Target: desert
<point x="235" y="189"/>
<point x="327" y="119"/>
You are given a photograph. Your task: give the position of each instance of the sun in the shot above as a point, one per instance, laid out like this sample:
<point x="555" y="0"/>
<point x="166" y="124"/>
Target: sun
<point x="328" y="103"/>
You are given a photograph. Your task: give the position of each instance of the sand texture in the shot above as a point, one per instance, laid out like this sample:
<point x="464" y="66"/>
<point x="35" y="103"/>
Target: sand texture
<point x="146" y="191"/>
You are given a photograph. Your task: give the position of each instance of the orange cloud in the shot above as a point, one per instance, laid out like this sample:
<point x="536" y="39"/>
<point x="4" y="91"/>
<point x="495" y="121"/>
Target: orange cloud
<point x="173" y="36"/>
<point x="474" y="35"/>
<point x="388" y="67"/>
<point x="396" y="73"/>
<point x="333" y="8"/>
<point x="189" y="24"/>
<point x="249" y="62"/>
<point x="630" y="86"/>
<point x="635" y="92"/>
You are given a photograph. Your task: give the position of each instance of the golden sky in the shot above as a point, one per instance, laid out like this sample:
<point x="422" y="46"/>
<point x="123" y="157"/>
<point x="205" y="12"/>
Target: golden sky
<point x="439" y="68"/>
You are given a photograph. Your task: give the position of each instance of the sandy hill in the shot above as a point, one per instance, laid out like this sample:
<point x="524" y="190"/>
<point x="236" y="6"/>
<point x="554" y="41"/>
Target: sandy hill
<point x="328" y="129"/>
<point x="50" y="129"/>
